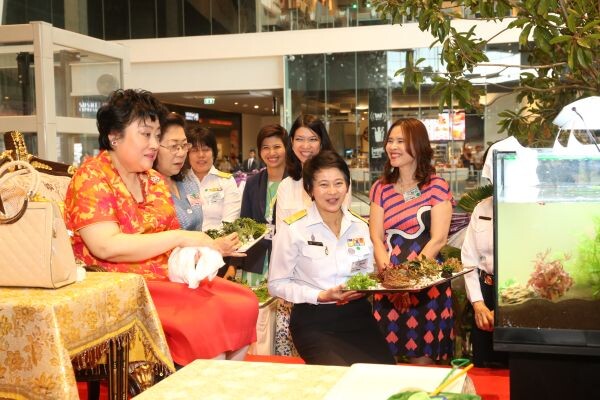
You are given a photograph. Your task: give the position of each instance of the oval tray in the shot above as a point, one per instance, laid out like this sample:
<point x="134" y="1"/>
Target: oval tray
<point x="381" y="289"/>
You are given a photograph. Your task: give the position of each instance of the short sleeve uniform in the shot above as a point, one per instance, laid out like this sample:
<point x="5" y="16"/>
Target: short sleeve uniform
<point x="221" y="199"/>
<point x="426" y="329"/>
<point x="307" y="259"/>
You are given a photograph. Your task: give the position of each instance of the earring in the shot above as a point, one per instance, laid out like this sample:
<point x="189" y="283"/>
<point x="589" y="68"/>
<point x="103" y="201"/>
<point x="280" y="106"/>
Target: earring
<point x="114" y="143"/>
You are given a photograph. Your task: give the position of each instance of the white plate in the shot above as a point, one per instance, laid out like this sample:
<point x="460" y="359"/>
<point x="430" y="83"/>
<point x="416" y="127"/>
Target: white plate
<point x="251" y="243"/>
<point x="378" y="382"/>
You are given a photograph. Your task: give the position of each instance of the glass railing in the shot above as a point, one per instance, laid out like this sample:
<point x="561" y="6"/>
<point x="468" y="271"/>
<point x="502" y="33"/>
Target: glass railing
<point x="117" y="20"/>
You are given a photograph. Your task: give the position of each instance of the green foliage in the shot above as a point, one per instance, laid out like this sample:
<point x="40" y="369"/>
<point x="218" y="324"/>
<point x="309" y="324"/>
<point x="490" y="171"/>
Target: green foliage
<point x="560" y="40"/>
<point x="447" y="252"/>
<point x="470" y="199"/>
<point x="246" y="228"/>
<point x="213" y="233"/>
<point x="507" y="283"/>
<point x="587" y="264"/>
<point x="360" y="281"/>
<point x="261" y="291"/>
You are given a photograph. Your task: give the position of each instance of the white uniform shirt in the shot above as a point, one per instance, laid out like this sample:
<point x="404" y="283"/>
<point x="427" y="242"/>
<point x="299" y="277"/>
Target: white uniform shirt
<point x="221" y="199"/>
<point x="478" y="247"/>
<point x="291" y="198"/>
<point x="308" y="258"/>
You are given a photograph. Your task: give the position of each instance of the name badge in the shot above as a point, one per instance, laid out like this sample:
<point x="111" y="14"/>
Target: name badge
<point x="359" y="265"/>
<point x="195" y="199"/>
<point x="412" y="194"/>
<point x="214" y="195"/>
<point x="270" y="231"/>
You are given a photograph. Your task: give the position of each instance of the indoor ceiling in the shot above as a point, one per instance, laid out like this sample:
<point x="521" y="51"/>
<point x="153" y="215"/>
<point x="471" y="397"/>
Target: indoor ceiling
<point x="259" y="102"/>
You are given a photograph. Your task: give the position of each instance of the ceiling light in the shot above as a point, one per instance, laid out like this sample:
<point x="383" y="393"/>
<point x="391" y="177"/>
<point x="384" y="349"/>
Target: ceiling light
<point x="235" y="103"/>
<point x="256" y="106"/>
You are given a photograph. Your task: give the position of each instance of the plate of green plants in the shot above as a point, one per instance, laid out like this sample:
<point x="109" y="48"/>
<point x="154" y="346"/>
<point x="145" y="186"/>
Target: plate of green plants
<point x="249" y="231"/>
<point x="409" y="276"/>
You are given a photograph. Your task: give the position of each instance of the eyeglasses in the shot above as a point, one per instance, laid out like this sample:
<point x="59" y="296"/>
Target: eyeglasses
<point x="174" y="148"/>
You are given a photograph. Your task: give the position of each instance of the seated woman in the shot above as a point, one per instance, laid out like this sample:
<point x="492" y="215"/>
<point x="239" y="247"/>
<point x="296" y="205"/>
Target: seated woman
<point x="314" y="252"/>
<point x="224" y="299"/>
<point x="122" y="218"/>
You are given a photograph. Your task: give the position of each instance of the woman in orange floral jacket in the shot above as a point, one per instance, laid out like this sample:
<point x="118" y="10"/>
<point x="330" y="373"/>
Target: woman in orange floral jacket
<point x="122" y="217"/>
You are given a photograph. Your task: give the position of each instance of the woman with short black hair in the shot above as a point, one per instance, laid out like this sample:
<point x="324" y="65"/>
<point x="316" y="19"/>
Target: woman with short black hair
<point x="314" y="253"/>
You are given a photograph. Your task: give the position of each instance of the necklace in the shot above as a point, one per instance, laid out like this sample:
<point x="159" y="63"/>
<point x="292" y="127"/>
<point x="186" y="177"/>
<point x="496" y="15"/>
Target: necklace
<point x="410" y="191"/>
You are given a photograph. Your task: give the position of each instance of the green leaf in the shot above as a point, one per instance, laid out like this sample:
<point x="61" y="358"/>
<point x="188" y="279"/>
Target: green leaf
<point x="524" y="36"/>
<point x="584" y="42"/>
<point x="561" y="39"/>
<point x="581" y="58"/>
<point x="590" y="25"/>
<point x="571" y="58"/>
<point x="470" y="199"/>
<point x="571" y="21"/>
<point x="542" y="8"/>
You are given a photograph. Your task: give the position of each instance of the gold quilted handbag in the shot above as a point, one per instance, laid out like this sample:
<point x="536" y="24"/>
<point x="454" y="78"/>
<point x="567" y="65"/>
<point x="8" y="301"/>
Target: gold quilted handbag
<point x="35" y="246"/>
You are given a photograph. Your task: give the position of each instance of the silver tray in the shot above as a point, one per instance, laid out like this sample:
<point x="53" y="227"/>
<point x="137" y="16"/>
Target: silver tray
<point x="381" y="289"/>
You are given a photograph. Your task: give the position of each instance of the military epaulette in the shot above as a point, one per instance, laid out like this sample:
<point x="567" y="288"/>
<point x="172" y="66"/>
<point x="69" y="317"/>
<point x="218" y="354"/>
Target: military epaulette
<point x="359" y="217"/>
<point x="222" y="174"/>
<point x="295" y="217"/>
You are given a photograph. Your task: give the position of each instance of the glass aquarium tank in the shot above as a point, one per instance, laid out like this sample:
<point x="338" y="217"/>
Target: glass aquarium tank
<point x="547" y="252"/>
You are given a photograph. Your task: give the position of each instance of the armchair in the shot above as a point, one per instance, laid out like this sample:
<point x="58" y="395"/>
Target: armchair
<point x="55" y="179"/>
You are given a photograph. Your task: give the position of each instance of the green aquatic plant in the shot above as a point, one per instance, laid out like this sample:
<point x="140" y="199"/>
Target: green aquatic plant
<point x="587" y="265"/>
<point x="549" y="278"/>
<point x="507" y="283"/>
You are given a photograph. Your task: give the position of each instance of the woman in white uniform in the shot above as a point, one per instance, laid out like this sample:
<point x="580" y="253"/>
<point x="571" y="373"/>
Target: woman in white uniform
<point x="315" y="251"/>
<point x="308" y="136"/>
<point x="478" y="251"/>
<point x="216" y="191"/>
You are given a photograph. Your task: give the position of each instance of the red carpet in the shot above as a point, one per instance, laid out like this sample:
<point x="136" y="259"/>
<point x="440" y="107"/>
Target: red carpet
<point x="491" y="384"/>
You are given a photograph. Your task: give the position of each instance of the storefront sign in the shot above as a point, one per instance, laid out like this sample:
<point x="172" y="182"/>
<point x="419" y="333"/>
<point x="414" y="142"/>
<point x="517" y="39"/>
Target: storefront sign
<point x="378" y="120"/>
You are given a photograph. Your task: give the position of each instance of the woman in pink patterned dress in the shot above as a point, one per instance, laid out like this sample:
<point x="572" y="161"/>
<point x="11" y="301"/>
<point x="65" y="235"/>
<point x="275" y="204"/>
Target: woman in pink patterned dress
<point x="410" y="216"/>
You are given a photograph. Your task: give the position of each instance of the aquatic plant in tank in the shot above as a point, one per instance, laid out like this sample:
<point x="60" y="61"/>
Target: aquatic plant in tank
<point x="587" y="267"/>
<point x="547" y="251"/>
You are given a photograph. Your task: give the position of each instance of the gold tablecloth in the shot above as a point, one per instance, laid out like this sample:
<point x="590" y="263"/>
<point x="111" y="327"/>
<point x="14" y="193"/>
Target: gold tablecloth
<point x="43" y="332"/>
<point x="223" y="380"/>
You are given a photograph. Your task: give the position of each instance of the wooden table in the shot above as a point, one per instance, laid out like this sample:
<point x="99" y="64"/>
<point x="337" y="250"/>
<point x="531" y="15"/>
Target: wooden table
<point x="222" y="380"/>
<point x="225" y="380"/>
<point x="46" y="334"/>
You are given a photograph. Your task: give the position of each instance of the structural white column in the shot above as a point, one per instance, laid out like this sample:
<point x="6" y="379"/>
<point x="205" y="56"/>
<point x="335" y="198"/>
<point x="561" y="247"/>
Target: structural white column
<point x="44" y="90"/>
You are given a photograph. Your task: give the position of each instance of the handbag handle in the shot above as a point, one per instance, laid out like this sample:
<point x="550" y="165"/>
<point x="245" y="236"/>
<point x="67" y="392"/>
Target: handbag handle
<point x="33" y="187"/>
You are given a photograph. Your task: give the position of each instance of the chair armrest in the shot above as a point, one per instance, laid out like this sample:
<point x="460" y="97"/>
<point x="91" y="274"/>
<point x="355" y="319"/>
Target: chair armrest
<point x="94" y="268"/>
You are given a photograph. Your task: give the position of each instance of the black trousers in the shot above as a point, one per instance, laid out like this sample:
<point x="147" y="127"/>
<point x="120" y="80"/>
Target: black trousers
<point x="330" y="334"/>
<point x="483" y="341"/>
